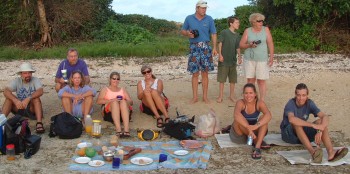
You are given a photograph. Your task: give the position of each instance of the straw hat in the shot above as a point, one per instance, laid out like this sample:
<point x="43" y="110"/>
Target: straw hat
<point x="25" y="67"/>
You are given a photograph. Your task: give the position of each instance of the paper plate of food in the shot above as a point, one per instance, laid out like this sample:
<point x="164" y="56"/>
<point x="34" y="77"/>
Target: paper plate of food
<point x="82" y="160"/>
<point x="141" y="161"/>
<point x="181" y="152"/>
<point x="84" y="144"/>
<point x="96" y="163"/>
<point x="191" y="144"/>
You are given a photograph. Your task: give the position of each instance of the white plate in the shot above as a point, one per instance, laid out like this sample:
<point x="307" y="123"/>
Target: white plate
<point x="82" y="160"/>
<point x="141" y="161"/>
<point x="84" y="144"/>
<point x="181" y="152"/>
<point x="96" y="163"/>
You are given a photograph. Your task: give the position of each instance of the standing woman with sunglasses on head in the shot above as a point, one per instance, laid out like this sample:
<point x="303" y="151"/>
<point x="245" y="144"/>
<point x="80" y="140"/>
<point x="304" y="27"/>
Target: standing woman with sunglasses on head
<point x="258" y="55"/>
<point x="116" y="101"/>
<point x="77" y="97"/>
<point x="150" y="91"/>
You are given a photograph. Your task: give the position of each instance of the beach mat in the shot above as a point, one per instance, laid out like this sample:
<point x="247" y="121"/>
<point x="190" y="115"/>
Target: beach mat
<point x="197" y="158"/>
<point x="224" y="141"/>
<point x="304" y="157"/>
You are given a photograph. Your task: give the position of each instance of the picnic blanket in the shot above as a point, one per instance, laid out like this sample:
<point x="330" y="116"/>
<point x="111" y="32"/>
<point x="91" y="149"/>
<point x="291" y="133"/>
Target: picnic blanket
<point x="273" y="139"/>
<point x="304" y="157"/>
<point x="197" y="158"/>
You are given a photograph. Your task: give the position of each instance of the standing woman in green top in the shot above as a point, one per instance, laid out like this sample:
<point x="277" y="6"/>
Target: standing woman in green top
<point x="228" y="51"/>
<point x="258" y="55"/>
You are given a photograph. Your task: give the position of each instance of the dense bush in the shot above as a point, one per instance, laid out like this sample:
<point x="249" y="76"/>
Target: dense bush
<point x="156" y="26"/>
<point x="115" y="31"/>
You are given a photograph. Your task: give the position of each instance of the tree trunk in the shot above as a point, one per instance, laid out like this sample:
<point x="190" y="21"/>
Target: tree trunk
<point x="44" y="26"/>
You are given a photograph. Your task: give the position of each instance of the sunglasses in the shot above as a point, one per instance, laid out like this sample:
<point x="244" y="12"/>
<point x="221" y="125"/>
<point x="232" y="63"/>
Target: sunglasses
<point x="115" y="78"/>
<point x="146" y="72"/>
<point x="260" y="21"/>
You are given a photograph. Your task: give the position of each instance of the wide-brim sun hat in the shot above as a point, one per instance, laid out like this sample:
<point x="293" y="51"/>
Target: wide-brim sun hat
<point x="25" y="67"/>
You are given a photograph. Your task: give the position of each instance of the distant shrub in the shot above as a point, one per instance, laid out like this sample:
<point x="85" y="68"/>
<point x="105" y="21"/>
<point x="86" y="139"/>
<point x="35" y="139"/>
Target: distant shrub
<point x="115" y="31"/>
<point x="155" y="26"/>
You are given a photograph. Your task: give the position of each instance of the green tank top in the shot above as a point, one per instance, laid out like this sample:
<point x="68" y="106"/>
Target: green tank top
<point x="259" y="53"/>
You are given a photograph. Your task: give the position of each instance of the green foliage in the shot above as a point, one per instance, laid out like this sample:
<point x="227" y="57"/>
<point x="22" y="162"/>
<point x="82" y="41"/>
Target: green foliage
<point x="115" y="31"/>
<point x="155" y="26"/>
<point x="243" y="13"/>
<point x="161" y="46"/>
<point x="301" y="40"/>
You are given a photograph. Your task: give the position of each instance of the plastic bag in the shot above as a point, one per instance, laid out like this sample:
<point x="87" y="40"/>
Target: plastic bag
<point x="207" y="125"/>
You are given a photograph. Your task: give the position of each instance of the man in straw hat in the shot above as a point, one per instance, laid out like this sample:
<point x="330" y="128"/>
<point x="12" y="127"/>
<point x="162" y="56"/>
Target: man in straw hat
<point x="199" y="28"/>
<point x="27" y="101"/>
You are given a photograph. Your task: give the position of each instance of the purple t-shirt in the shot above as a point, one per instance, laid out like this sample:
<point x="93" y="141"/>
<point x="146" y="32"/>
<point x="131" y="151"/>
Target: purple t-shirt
<point x="302" y="112"/>
<point x="80" y="65"/>
<point x="77" y="110"/>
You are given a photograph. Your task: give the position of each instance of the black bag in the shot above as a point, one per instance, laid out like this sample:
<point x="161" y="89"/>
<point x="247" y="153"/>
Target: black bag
<point x="16" y="131"/>
<point x="65" y="126"/>
<point x="32" y="145"/>
<point x="180" y="130"/>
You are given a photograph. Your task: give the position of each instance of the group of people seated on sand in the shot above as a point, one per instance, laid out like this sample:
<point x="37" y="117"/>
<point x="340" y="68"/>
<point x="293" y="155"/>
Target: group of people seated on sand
<point x="251" y="115"/>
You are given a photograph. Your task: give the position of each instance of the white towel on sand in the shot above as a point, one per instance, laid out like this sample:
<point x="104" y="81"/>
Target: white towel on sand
<point x="304" y="157"/>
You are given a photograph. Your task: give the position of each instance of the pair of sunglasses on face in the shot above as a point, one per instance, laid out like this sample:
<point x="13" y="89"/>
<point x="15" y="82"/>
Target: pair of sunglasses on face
<point x="146" y="72"/>
<point x="113" y="78"/>
<point x="260" y="21"/>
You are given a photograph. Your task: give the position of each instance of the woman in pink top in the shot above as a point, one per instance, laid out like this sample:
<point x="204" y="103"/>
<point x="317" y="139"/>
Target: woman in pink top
<point x="116" y="102"/>
<point x="150" y="91"/>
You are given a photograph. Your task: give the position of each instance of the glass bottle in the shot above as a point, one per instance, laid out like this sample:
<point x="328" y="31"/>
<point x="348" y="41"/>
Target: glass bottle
<point x="88" y="124"/>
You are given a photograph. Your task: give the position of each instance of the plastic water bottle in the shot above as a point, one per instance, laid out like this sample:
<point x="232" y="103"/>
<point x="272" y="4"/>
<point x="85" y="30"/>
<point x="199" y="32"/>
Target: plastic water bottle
<point x="88" y="124"/>
<point x="239" y="70"/>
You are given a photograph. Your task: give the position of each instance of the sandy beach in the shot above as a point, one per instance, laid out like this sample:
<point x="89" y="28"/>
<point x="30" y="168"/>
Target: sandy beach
<point x="327" y="76"/>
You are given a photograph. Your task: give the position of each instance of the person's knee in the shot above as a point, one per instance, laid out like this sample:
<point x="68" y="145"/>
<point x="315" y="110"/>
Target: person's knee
<point x="195" y="75"/>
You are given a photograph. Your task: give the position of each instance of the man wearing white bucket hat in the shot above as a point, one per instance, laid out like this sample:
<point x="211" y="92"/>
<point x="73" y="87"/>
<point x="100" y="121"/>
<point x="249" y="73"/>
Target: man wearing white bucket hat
<point x="27" y="101"/>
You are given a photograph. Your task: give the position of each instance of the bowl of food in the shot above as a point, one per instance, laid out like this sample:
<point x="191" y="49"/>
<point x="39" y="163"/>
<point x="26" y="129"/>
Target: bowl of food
<point x="108" y="156"/>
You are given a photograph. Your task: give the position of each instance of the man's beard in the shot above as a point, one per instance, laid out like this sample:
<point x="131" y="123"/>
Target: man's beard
<point x="27" y="79"/>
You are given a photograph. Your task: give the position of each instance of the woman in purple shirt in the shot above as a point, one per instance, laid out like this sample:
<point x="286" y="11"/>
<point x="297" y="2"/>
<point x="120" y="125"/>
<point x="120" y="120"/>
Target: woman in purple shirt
<point x="77" y="98"/>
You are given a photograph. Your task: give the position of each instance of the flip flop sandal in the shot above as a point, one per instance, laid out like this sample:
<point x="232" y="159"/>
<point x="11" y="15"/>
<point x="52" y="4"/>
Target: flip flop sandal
<point x="256" y="153"/>
<point x="339" y="154"/>
<point x="265" y="146"/>
<point x="166" y="120"/>
<point x="160" y="124"/>
<point x="126" y="135"/>
<point x="39" y="128"/>
<point x="317" y="156"/>
<point x="119" y="134"/>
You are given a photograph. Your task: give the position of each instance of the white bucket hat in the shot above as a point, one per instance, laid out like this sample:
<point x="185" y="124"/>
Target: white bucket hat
<point x="201" y="3"/>
<point x="25" y="67"/>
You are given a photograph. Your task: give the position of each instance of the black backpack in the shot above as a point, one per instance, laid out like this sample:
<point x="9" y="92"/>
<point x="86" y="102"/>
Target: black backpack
<point x="180" y="130"/>
<point x="16" y="130"/>
<point x="65" y="126"/>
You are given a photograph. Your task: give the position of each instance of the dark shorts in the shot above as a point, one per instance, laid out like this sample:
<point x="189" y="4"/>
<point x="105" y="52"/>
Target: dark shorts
<point x="289" y="135"/>
<point x="225" y="72"/>
<point x="238" y="139"/>
<point x="107" y="116"/>
<point x="200" y="58"/>
<point x="26" y="113"/>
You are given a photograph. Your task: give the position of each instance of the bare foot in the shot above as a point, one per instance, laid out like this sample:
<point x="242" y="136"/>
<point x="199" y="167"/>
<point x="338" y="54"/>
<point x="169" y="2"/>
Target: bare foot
<point x="232" y="99"/>
<point x="219" y="100"/>
<point x="206" y="101"/>
<point x="194" y="100"/>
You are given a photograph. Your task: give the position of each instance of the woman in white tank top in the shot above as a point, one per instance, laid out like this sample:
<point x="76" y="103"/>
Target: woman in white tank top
<point x="149" y="91"/>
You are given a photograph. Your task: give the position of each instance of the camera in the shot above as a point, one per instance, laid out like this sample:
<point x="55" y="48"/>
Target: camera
<point x="257" y="42"/>
<point x="195" y="33"/>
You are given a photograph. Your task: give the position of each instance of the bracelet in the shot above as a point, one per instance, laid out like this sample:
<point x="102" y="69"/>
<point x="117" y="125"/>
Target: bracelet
<point x="319" y="131"/>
